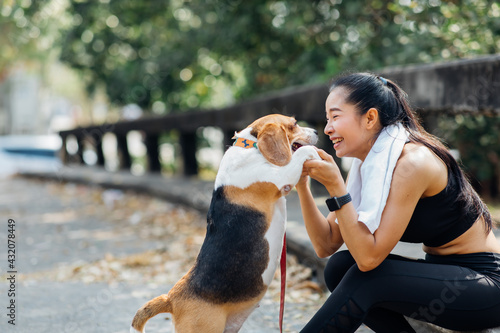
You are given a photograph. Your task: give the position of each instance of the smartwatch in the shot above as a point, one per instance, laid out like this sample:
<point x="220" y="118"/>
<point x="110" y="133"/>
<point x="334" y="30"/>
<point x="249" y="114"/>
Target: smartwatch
<point x="335" y="203"/>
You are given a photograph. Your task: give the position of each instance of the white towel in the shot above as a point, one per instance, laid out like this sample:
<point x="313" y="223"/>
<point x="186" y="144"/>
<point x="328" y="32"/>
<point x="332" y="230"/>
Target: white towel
<point x="370" y="181"/>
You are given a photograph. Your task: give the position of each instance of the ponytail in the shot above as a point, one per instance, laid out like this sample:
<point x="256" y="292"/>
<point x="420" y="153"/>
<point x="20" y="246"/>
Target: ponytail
<point x="407" y="115"/>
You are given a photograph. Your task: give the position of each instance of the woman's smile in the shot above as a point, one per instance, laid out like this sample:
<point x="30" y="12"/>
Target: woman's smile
<point x="336" y="141"/>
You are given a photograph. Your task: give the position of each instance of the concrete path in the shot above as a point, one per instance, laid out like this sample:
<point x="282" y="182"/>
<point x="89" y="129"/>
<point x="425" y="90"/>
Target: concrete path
<point x="54" y="233"/>
<point x="48" y="306"/>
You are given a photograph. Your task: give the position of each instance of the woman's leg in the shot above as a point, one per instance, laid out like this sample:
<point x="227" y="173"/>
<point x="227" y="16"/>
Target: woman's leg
<point x="336" y="268"/>
<point x="386" y="321"/>
<point x="379" y="320"/>
<point x="448" y="296"/>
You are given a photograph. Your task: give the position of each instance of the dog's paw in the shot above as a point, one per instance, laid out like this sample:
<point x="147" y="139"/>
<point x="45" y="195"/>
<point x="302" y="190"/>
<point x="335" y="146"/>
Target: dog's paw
<point x="315" y="156"/>
<point x="309" y="153"/>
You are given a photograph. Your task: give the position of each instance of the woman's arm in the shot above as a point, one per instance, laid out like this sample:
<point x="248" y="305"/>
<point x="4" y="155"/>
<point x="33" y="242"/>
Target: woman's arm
<point x="324" y="232"/>
<point x="411" y="177"/>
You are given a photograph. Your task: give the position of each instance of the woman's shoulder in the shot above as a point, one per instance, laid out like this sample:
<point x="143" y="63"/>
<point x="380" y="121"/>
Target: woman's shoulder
<point x="421" y="164"/>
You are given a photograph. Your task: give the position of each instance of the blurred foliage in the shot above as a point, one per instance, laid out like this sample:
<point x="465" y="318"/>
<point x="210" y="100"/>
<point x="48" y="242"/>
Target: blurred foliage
<point x="477" y="138"/>
<point x="181" y="54"/>
<point x="28" y="30"/>
<point x="178" y="54"/>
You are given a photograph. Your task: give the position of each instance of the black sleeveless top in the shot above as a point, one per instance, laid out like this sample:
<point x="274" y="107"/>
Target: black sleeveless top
<point x="439" y="219"/>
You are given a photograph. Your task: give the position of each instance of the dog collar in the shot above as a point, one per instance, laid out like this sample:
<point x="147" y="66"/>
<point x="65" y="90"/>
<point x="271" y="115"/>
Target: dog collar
<point x="245" y="143"/>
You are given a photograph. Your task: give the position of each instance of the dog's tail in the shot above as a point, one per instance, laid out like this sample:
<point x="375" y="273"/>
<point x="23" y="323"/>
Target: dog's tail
<point x="155" y="306"/>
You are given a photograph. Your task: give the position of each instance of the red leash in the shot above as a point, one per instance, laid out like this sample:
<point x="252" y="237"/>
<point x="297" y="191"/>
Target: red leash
<point x="283" y="282"/>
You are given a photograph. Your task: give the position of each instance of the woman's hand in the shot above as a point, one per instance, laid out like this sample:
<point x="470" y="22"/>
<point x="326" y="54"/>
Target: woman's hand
<point x="303" y="181"/>
<point x="326" y="172"/>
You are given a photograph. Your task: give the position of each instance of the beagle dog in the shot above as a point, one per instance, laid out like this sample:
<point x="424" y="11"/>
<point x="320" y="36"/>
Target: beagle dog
<point x="245" y="229"/>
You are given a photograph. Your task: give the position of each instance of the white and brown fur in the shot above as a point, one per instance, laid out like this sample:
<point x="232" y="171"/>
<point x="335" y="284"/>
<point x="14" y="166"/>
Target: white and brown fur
<point x="245" y="229"/>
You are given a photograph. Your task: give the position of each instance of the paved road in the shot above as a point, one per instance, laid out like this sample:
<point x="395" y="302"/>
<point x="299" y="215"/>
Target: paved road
<point x="52" y="234"/>
<point x="43" y="243"/>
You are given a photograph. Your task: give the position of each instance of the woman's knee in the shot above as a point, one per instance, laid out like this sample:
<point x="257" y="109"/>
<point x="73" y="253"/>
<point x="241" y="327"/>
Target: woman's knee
<point x="337" y="266"/>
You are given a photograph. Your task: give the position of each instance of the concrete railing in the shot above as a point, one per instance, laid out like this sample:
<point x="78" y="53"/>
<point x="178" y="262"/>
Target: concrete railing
<point x="458" y="86"/>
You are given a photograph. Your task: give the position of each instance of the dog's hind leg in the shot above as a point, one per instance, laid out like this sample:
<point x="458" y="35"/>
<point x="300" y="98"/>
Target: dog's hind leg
<point x="236" y="320"/>
<point x="199" y="317"/>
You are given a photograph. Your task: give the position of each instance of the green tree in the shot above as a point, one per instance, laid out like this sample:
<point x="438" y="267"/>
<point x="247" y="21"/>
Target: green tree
<point x="477" y="139"/>
<point x="29" y="30"/>
<point x="183" y="54"/>
<point x="178" y="54"/>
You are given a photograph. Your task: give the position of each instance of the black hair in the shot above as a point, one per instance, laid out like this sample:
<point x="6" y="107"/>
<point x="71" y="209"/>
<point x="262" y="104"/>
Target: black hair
<point x="366" y="90"/>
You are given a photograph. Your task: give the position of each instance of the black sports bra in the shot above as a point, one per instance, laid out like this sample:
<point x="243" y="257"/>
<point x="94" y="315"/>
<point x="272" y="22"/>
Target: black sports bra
<point x="439" y="219"/>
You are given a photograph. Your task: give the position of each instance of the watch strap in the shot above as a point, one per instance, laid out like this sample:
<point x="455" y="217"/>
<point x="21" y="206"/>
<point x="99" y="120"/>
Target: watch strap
<point x="335" y="203"/>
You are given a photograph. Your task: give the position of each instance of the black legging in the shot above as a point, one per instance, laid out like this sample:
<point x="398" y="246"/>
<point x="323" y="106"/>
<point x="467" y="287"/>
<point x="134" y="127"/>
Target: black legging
<point x="445" y="294"/>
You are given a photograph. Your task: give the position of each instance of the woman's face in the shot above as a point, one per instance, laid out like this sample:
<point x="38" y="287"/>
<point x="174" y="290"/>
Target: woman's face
<point x="345" y="127"/>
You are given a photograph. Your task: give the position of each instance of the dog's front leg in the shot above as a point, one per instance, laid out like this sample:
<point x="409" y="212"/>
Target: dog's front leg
<point x="289" y="175"/>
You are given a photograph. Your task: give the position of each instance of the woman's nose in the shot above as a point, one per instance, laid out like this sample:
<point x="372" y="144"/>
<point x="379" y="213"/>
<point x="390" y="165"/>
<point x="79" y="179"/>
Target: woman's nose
<point x="328" y="128"/>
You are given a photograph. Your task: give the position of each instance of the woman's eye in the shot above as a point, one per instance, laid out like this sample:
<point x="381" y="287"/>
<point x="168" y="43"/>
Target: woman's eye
<point x="333" y="117"/>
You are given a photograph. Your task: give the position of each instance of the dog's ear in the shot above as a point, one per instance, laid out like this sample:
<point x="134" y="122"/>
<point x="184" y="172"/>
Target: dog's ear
<point x="274" y="145"/>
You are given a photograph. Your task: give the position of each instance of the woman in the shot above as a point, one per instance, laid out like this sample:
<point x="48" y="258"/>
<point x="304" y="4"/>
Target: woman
<point x="457" y="285"/>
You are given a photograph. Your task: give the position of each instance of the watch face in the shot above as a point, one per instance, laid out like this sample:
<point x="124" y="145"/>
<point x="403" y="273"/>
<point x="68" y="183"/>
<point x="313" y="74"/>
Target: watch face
<point x="333" y="204"/>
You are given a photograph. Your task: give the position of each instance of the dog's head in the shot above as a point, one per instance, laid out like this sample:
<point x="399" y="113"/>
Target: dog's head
<point x="279" y="136"/>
